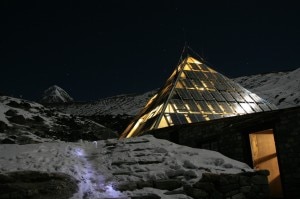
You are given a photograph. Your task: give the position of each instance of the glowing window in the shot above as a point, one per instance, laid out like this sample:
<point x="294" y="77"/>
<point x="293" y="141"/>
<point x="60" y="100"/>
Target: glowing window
<point x="203" y="106"/>
<point x="264" y="107"/>
<point x="238" y="108"/>
<point x="163" y="123"/>
<point x="194" y="66"/>
<point x="169" y="120"/>
<point x="247" y="108"/>
<point x="179" y="106"/>
<point x="255" y="107"/>
<point x="175" y="119"/>
<point x="207" y="95"/>
<point x="217" y="96"/>
<point x="187" y="67"/>
<point x="215" y="107"/>
<point x="237" y="97"/>
<point x="192" y="107"/>
<point x="256" y="98"/>
<point x="228" y="97"/>
<point x="179" y="85"/>
<point x="196" y="95"/>
<point x="183" y="94"/>
<point x="169" y="109"/>
<point x="246" y="97"/>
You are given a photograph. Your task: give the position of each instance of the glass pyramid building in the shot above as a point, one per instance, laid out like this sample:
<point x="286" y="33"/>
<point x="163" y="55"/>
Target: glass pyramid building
<point x="195" y="93"/>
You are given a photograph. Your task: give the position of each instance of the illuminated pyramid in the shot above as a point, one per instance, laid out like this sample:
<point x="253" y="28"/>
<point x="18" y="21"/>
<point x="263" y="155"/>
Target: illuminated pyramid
<point x="195" y="93"/>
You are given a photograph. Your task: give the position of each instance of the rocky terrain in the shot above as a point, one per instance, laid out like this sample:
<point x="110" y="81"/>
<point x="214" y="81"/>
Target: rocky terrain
<point x="138" y="168"/>
<point x="25" y="122"/>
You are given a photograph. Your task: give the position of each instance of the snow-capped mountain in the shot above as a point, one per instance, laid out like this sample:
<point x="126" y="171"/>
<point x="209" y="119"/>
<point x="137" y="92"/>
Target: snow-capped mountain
<point x="281" y="89"/>
<point x="24" y="122"/>
<point x="55" y="94"/>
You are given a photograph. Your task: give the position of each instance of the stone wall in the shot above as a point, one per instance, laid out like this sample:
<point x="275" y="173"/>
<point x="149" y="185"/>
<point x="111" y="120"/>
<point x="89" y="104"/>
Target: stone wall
<point x="287" y="138"/>
<point x="247" y="185"/>
<point x="230" y="136"/>
<point x="250" y="185"/>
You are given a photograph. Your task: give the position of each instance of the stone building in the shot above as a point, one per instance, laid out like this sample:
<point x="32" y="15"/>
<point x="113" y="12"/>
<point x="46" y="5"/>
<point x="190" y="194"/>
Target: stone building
<point x="201" y="108"/>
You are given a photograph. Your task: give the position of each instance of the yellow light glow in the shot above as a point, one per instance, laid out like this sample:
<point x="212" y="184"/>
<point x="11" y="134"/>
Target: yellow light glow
<point x="134" y="128"/>
<point x="204" y="84"/>
<point x="192" y="60"/>
<point x="186" y="67"/>
<point x="163" y="123"/>
<point x="187" y="118"/>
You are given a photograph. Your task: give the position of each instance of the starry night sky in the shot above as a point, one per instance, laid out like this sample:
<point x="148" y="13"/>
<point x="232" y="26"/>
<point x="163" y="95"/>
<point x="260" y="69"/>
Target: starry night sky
<point x="99" y="49"/>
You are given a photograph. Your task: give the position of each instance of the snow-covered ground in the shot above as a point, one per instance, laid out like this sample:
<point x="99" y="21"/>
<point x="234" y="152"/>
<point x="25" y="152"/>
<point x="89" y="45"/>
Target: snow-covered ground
<point x="102" y="166"/>
<point x="23" y="121"/>
<point x="281" y="89"/>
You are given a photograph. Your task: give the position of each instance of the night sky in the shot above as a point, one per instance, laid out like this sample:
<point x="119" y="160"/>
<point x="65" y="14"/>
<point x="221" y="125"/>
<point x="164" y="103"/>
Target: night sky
<point x="100" y="49"/>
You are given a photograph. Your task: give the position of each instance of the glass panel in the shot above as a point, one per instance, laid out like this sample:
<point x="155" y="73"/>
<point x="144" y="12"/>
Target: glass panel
<point x="194" y="66"/>
<point x="214" y="116"/>
<point x="264" y="107"/>
<point x="191" y="106"/>
<point x="272" y="107"/>
<point x="204" y="68"/>
<point x="169" y="120"/>
<point x="256" y="98"/>
<point x="235" y="86"/>
<point x="199" y="117"/>
<point x="215" y="106"/>
<point x="190" y="74"/>
<point x="187" y="67"/>
<point x="220" y="86"/>
<point x="183" y="94"/>
<point x="182" y="118"/>
<point x="193" y="118"/>
<point x="208" y="84"/>
<point x="246" y="97"/>
<point x="217" y="96"/>
<point x="228" y="97"/>
<point x="203" y="106"/>
<point x="174" y="118"/>
<point x="200" y="75"/>
<point x="237" y="97"/>
<point x="255" y="107"/>
<point x="179" y="106"/>
<point x="226" y="107"/>
<point x="247" y="107"/>
<point x="196" y="95"/>
<point x="207" y="95"/>
<point x="197" y="83"/>
<point x="210" y="76"/>
<point x="237" y="108"/>
<point x="163" y="122"/>
<point x="179" y="85"/>
<point x="169" y="109"/>
<point x="187" y="83"/>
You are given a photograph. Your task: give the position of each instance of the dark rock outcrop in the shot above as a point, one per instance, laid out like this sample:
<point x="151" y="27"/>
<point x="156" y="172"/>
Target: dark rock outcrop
<point x="34" y="184"/>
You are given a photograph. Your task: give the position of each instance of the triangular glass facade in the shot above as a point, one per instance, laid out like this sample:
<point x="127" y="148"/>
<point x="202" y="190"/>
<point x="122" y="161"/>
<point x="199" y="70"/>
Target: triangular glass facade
<point x="195" y="93"/>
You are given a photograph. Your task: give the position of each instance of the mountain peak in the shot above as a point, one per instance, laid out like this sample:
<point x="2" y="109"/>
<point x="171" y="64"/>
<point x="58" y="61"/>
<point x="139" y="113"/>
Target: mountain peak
<point x="55" y="94"/>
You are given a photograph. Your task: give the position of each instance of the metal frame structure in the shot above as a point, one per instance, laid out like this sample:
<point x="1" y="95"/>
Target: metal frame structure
<point x="195" y="93"/>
